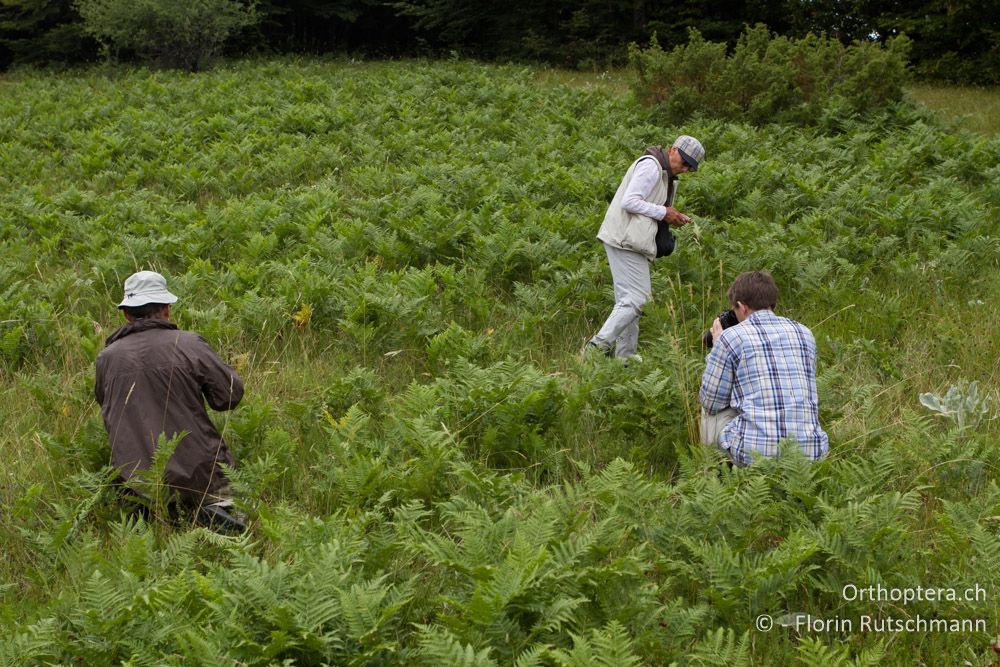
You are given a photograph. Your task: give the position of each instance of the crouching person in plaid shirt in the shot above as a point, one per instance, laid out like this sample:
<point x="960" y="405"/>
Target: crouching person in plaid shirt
<point x="759" y="385"/>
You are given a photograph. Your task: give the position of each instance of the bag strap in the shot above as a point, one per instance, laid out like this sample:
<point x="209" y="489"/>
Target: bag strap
<point x="658" y="154"/>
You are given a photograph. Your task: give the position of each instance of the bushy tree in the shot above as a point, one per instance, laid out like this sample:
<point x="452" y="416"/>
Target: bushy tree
<point x="955" y="41"/>
<point x="40" y="31"/>
<point x="183" y="34"/>
<point x="769" y="78"/>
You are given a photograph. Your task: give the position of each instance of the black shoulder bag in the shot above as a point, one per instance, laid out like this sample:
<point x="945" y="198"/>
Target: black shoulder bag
<point x="664" y="239"/>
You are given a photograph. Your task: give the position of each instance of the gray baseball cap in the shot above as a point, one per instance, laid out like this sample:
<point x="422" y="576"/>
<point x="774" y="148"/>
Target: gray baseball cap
<point x="146" y="287"/>
<point x="691" y="150"/>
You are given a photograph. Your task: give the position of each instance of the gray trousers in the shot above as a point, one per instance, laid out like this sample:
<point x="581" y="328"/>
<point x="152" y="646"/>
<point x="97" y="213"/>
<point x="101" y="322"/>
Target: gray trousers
<point x="630" y="275"/>
<point x="711" y="429"/>
<point x="712" y="425"/>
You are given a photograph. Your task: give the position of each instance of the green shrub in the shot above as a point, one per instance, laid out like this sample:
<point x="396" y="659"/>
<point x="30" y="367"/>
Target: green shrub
<point x="184" y="34"/>
<point x="769" y="78"/>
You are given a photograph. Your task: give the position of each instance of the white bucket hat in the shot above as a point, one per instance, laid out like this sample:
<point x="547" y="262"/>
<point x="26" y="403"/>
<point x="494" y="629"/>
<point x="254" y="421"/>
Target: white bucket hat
<point x="146" y="287"/>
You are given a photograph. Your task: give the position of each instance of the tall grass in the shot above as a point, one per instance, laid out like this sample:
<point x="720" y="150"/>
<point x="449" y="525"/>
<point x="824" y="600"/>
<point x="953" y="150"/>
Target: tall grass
<point x="971" y="107"/>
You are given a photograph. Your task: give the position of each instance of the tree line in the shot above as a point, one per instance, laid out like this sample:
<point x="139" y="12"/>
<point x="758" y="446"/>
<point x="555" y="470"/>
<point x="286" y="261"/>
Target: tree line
<point x="953" y="40"/>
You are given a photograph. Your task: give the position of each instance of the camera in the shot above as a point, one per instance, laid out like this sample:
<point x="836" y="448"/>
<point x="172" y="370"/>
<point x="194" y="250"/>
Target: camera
<point x="727" y="318"/>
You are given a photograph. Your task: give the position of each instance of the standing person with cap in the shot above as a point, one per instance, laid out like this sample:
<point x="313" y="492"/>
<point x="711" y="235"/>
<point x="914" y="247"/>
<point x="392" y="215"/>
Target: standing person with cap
<point x="154" y="379"/>
<point x="643" y="202"/>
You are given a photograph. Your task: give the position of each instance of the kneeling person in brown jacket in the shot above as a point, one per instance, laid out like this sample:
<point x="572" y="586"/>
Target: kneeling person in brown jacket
<point x="153" y="379"/>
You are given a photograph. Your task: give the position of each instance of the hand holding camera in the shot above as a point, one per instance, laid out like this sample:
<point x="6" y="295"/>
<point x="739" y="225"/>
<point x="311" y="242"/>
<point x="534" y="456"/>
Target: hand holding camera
<point x="726" y="319"/>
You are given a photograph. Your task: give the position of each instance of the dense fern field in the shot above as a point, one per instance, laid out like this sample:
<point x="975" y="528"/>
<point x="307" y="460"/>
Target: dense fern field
<point x="399" y="259"/>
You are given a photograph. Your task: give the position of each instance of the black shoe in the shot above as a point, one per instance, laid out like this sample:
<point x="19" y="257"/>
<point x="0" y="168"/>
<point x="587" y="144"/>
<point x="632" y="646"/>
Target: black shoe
<point x="593" y="349"/>
<point x="221" y="520"/>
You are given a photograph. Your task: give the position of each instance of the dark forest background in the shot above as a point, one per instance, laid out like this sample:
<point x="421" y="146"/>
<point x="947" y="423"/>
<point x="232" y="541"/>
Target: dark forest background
<point x="953" y="40"/>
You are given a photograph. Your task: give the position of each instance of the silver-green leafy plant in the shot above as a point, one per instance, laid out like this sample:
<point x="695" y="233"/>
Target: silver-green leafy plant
<point x="962" y="403"/>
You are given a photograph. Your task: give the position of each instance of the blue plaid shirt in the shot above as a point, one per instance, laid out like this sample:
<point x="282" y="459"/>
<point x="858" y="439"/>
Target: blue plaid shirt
<point x="765" y="368"/>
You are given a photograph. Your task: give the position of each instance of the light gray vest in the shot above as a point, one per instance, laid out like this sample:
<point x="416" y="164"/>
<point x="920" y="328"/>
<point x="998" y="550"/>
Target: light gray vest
<point x="629" y="231"/>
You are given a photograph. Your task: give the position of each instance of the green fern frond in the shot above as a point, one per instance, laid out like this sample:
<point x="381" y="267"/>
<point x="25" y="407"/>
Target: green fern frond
<point x="813" y="652"/>
<point x="871" y="656"/>
<point x="317" y="601"/>
<point x="609" y="646"/>
<point x="559" y="613"/>
<point x="178" y="551"/>
<point x="439" y="647"/>
<point x="722" y="648"/>
<point x="532" y="656"/>
<point x="362" y="606"/>
<point x="38" y="643"/>
<point x="105" y="602"/>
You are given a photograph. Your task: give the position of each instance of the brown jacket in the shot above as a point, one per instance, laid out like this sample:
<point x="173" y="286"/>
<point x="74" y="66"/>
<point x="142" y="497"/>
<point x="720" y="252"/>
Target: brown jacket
<point x="153" y="378"/>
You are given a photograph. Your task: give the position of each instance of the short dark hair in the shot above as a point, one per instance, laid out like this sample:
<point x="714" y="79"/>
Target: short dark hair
<point x="755" y="289"/>
<point x="145" y="311"/>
